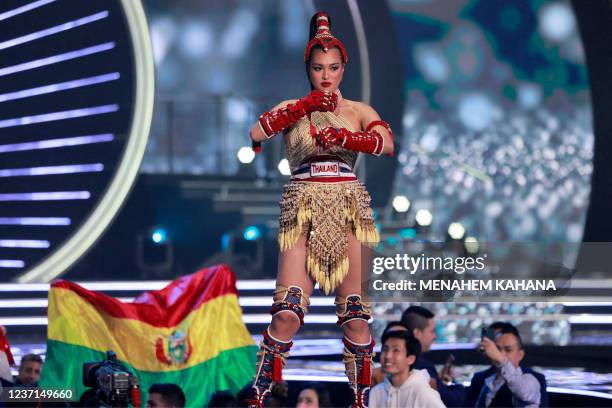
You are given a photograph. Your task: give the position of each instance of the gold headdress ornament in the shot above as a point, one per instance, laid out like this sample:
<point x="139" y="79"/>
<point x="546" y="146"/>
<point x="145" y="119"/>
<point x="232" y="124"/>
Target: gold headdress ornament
<point x="324" y="38"/>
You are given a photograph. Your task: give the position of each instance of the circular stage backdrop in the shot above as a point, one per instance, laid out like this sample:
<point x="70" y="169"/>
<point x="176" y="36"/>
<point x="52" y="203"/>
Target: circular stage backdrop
<point x="76" y="99"/>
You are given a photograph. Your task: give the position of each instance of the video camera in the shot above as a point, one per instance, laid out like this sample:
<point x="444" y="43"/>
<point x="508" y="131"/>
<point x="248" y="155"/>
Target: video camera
<point x="114" y="384"/>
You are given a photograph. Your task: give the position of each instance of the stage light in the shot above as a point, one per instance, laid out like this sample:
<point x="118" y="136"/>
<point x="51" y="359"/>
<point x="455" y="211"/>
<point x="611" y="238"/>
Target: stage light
<point x="472" y="245"/>
<point x="529" y="95"/>
<point x="154" y="252"/>
<point x="456" y="230"/>
<point x="246" y="155"/>
<point x="225" y="241"/>
<point x="392" y="241"/>
<point x="283" y="167"/>
<point x="423" y="218"/>
<point x="557" y="21"/>
<point x="408" y="233"/>
<point x="432" y="62"/>
<point x="251" y="233"/>
<point x="477" y="111"/>
<point x="237" y="110"/>
<point x="159" y="236"/>
<point x="11" y="263"/>
<point x="401" y="203"/>
<point x="196" y="39"/>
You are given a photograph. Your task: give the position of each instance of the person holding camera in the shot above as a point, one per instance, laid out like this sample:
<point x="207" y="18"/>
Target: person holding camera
<point x="506" y="383"/>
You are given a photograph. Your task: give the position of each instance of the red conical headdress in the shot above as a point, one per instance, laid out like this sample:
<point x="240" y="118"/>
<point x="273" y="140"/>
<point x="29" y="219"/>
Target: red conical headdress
<point x="324" y="38"/>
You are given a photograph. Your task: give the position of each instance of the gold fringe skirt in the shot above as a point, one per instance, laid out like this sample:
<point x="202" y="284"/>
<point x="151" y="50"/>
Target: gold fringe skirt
<point x="326" y="212"/>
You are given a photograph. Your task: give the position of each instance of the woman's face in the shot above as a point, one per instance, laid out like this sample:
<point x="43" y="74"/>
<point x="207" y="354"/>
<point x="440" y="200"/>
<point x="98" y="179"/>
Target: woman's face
<point x="326" y="69"/>
<point x="308" y="398"/>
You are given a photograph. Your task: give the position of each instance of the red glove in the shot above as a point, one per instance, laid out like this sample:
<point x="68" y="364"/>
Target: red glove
<point x="275" y="121"/>
<point x="367" y="142"/>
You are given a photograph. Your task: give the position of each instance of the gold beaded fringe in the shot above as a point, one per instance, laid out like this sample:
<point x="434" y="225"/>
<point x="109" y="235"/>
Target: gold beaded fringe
<point x="326" y="212"/>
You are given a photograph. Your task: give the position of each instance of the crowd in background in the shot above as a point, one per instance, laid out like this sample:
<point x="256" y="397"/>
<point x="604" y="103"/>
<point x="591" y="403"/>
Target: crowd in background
<point x="405" y="378"/>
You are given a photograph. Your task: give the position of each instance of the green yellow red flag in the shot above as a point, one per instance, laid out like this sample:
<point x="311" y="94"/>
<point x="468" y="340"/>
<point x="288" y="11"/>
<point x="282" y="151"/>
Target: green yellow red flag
<point x="190" y="333"/>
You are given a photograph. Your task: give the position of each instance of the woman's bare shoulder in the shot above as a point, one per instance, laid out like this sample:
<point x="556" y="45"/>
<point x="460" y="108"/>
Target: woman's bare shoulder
<point x="365" y="112"/>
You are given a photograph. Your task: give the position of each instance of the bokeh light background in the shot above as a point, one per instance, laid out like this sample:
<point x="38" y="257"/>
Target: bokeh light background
<point x="497" y="130"/>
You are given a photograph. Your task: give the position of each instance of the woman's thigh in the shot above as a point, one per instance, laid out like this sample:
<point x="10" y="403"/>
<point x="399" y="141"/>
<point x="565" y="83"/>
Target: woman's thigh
<point x="292" y="268"/>
<point x="351" y="284"/>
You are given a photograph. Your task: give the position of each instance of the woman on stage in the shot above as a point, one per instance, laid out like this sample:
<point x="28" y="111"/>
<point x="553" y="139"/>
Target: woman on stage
<point x="325" y="212"/>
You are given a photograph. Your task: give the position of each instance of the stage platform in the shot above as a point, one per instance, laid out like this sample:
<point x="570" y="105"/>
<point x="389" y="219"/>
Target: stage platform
<point x="578" y="372"/>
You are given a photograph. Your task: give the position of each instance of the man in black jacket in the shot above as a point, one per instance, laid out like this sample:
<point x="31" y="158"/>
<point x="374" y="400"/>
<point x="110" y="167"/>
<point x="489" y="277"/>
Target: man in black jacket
<point x="507" y="383"/>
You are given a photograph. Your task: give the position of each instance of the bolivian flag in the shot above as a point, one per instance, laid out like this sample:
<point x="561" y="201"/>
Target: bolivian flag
<point x="189" y="333"/>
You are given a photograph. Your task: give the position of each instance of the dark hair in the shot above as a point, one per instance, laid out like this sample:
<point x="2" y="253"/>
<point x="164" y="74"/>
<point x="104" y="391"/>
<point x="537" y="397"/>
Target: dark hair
<point x="222" y="399"/>
<point x="321" y="391"/>
<point x="416" y="317"/>
<point x="502" y="328"/>
<point x="495" y="326"/>
<point x="244" y="394"/>
<point x="31" y="357"/>
<point x="413" y="346"/>
<point x="171" y="393"/>
<point x="394" y="323"/>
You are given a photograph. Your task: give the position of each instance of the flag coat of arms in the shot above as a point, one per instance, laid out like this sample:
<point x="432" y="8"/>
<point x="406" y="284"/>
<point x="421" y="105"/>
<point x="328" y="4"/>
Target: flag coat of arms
<point x="190" y="333"/>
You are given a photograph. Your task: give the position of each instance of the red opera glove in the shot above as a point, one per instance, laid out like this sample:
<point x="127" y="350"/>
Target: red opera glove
<point x="367" y="142"/>
<point x="275" y="121"/>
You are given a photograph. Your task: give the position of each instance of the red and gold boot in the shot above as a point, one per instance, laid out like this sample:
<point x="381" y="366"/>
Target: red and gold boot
<point x="270" y="361"/>
<point x="358" y="363"/>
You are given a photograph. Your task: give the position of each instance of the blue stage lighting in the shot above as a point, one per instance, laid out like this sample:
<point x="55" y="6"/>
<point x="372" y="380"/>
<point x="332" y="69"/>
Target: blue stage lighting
<point x="159" y="236"/>
<point x="251" y="233"/>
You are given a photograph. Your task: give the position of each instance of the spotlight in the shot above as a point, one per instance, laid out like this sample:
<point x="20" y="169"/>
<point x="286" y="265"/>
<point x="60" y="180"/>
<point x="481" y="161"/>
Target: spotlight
<point x="423" y="218"/>
<point x="456" y="230"/>
<point x="154" y="253"/>
<point x="407" y="233"/>
<point x="472" y="245"/>
<point x="251" y="233"/>
<point x="401" y="203"/>
<point x="283" y="167"/>
<point x="245" y="155"/>
<point x="159" y="236"/>
<point x="557" y="21"/>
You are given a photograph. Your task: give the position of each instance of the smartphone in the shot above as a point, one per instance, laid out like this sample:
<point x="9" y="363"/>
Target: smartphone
<point x="447" y="368"/>
<point x="449" y="362"/>
<point x="487" y="332"/>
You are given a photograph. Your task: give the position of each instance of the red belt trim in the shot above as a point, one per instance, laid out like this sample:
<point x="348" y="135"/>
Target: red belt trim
<point x="326" y="179"/>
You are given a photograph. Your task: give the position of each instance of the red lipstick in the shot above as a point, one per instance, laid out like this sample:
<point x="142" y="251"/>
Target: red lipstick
<point x="326" y="84"/>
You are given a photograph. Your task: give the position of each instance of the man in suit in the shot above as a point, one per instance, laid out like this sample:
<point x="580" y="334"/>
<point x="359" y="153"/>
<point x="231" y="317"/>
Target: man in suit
<point x="506" y="383"/>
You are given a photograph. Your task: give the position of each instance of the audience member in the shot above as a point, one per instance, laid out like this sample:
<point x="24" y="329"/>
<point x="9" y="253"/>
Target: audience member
<point x="222" y="399"/>
<point x="404" y="385"/>
<point x="166" y="396"/>
<point x="313" y="395"/>
<point x="29" y="370"/>
<point x="378" y="376"/>
<point x="506" y="383"/>
<point x="421" y="324"/>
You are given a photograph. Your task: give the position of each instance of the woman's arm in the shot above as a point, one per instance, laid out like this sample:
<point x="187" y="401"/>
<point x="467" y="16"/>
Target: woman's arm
<point x="257" y="133"/>
<point x="376" y="137"/>
<point x="368" y="115"/>
<point x="288" y="113"/>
